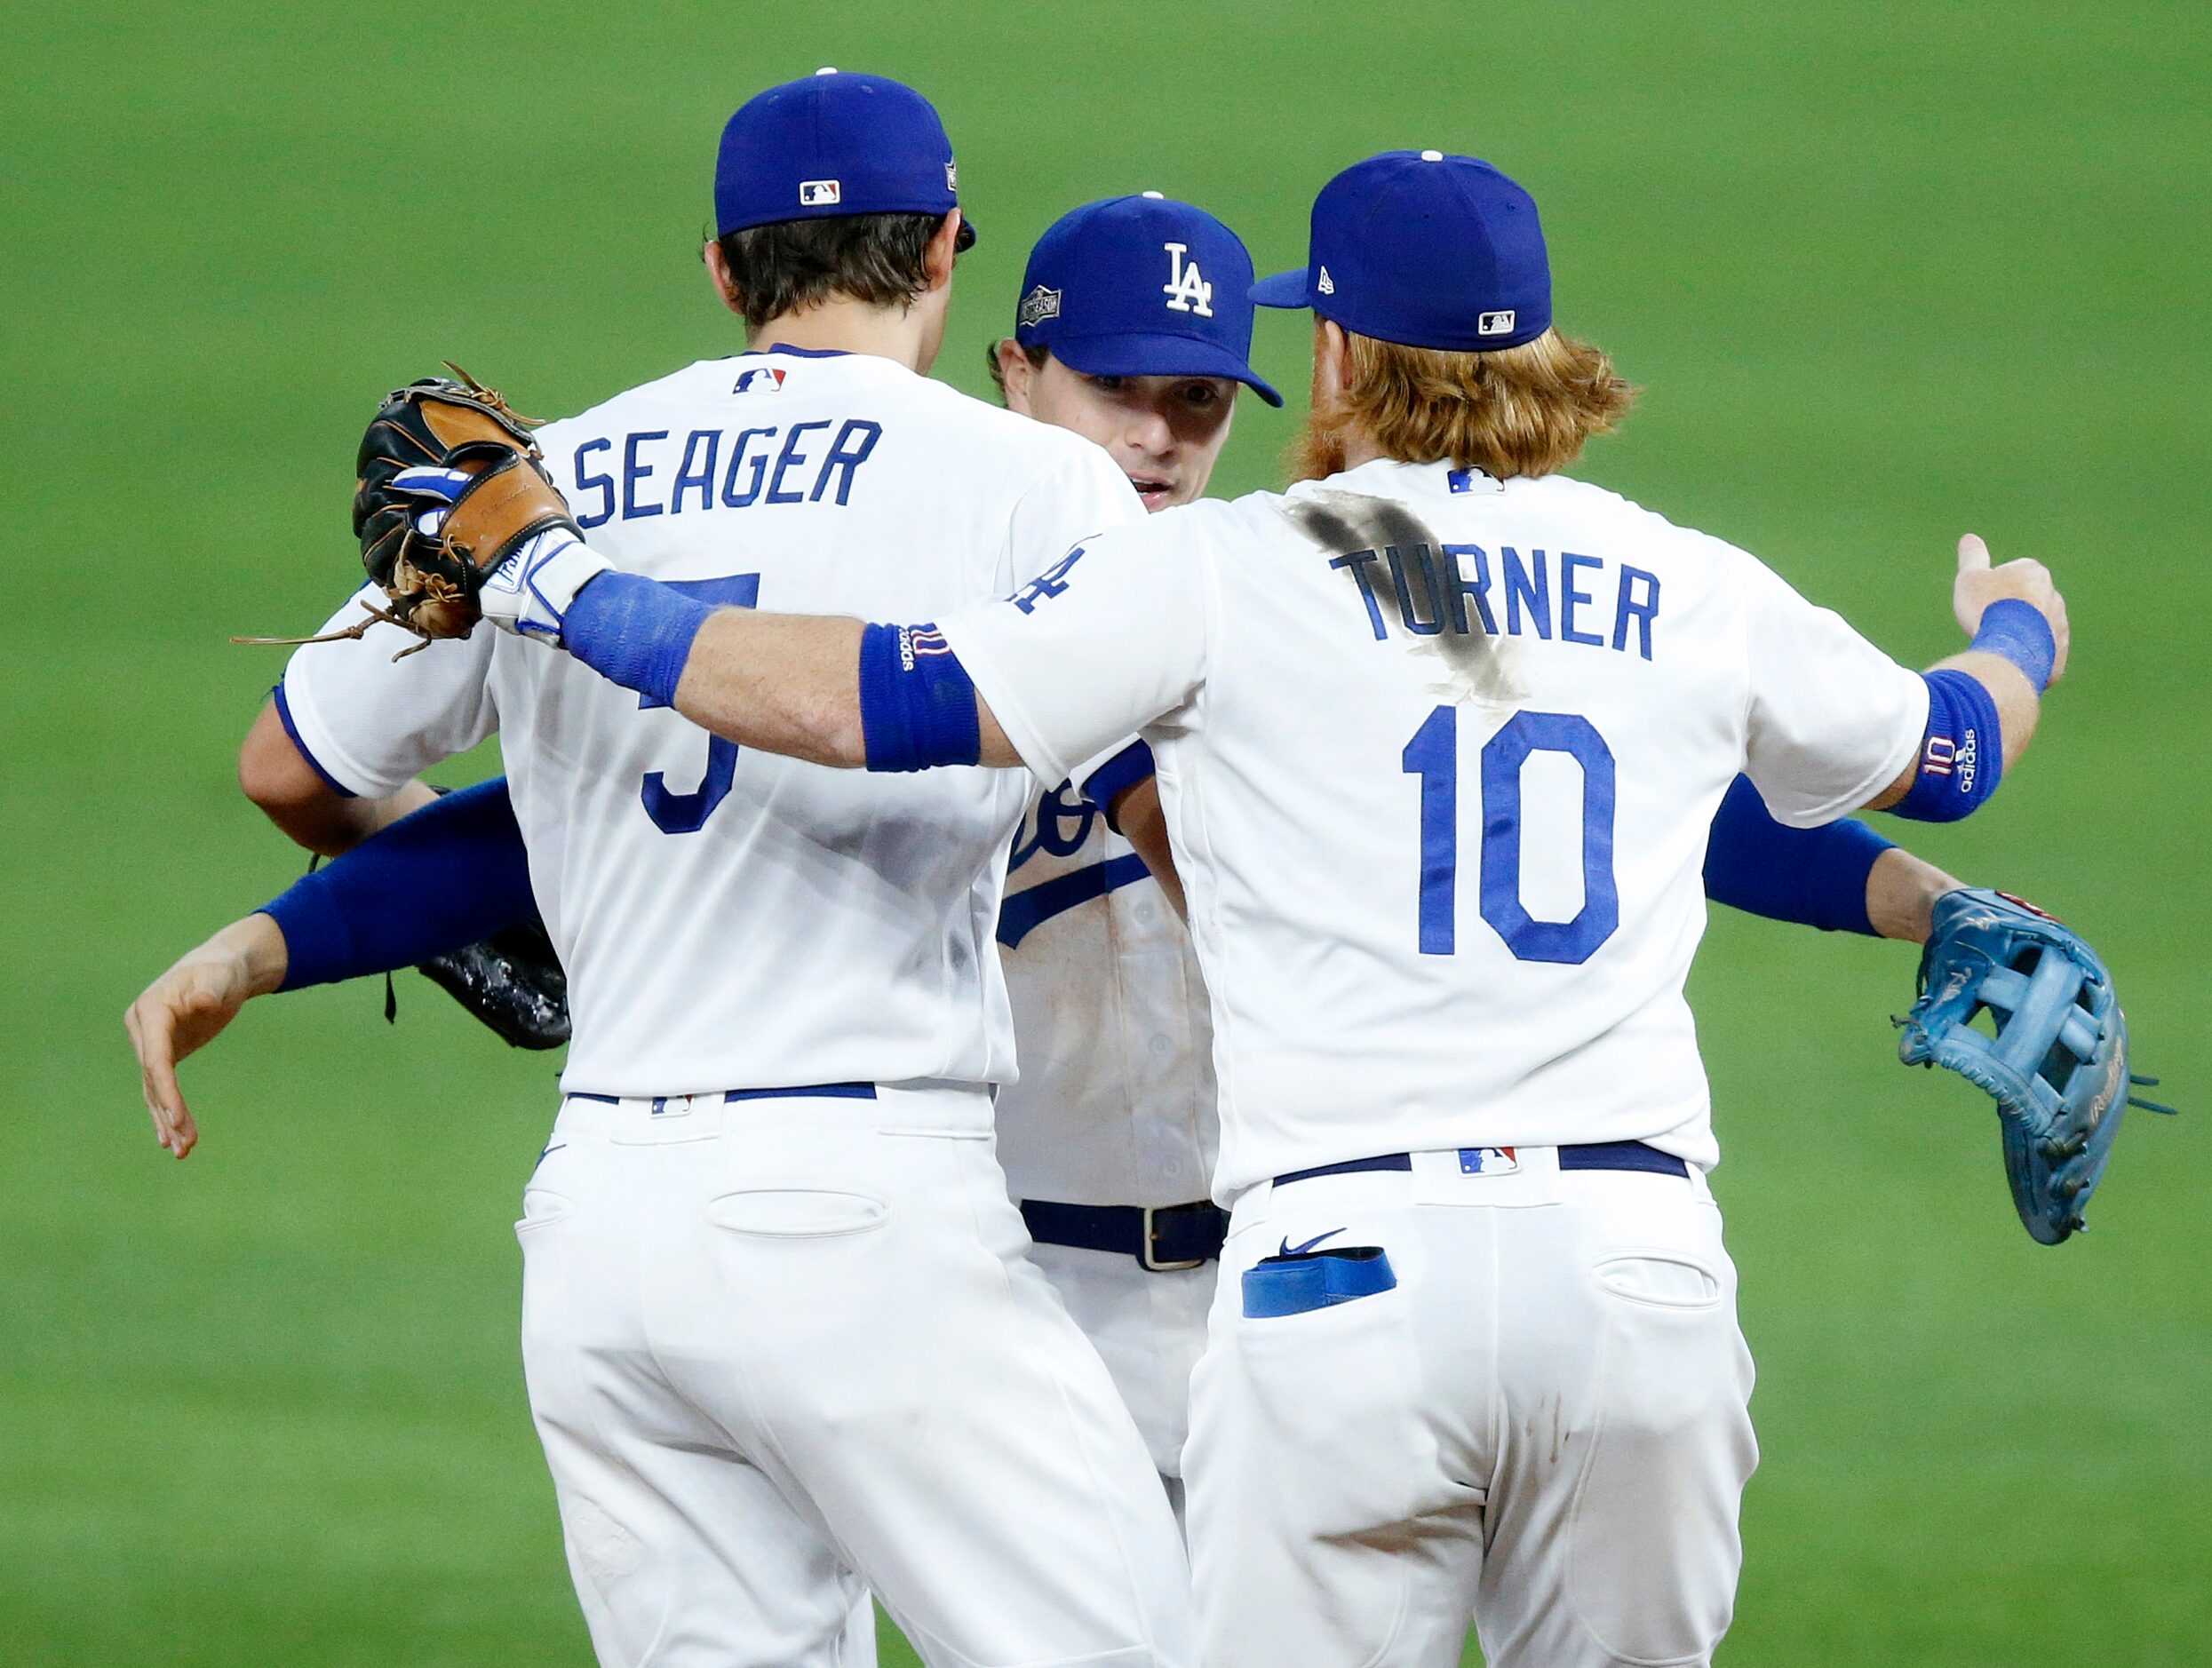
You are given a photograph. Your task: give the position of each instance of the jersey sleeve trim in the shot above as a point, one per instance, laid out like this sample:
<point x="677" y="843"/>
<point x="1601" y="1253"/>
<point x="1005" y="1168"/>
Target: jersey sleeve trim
<point x="292" y="729"/>
<point x="330" y="761"/>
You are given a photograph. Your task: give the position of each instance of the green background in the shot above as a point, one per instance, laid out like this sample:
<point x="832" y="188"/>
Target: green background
<point x="1886" y="273"/>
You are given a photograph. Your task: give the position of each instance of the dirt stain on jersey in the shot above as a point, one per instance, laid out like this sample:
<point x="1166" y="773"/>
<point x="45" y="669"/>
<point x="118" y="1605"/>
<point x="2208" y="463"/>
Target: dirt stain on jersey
<point x="1413" y="580"/>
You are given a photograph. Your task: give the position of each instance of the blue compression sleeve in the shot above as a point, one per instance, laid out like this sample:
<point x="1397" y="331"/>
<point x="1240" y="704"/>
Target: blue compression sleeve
<point x="1813" y="877"/>
<point x="634" y="631"/>
<point x="917" y="701"/>
<point x="445" y="876"/>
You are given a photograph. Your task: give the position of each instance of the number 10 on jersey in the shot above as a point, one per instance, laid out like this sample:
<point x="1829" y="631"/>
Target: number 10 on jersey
<point x="1434" y="756"/>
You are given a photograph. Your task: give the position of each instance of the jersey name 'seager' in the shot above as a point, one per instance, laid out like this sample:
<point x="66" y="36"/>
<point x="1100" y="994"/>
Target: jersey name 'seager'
<point x="724" y="913"/>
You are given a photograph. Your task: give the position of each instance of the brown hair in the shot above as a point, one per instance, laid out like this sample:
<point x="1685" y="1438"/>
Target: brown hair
<point x="781" y="267"/>
<point x="1526" y="410"/>
<point x="1038" y="353"/>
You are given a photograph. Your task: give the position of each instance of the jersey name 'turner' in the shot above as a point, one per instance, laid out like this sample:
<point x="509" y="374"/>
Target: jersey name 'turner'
<point x="1431" y="589"/>
<point x="652" y="473"/>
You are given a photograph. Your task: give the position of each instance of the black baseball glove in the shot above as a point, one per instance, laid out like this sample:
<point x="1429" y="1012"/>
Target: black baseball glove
<point x="511" y="981"/>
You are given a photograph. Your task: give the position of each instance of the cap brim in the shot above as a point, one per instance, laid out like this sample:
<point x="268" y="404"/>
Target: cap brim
<point x="1139" y="355"/>
<point x="1281" y="289"/>
<point x="965" y="239"/>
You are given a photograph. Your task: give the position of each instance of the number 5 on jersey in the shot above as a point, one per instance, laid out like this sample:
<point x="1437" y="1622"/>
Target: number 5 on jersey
<point x="1434" y="756"/>
<point x="687" y="813"/>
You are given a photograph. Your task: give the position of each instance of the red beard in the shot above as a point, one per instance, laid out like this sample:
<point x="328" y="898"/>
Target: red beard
<point x="1318" y="452"/>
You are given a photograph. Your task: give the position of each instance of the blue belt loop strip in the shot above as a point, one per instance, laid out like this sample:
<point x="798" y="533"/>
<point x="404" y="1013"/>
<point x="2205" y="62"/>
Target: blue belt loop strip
<point x="1585" y="1155"/>
<point x="1168" y="1236"/>
<point x="805" y="1091"/>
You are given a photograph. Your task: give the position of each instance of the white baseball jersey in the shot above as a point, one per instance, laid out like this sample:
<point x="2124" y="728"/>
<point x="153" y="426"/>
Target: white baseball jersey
<point x="728" y="918"/>
<point x="1440" y="756"/>
<point x="1114" y="1105"/>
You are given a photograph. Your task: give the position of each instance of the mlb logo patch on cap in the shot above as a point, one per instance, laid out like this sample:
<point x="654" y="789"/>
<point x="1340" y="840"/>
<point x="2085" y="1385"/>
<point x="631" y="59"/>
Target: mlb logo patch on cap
<point x="818" y="193"/>
<point x="1495" y="323"/>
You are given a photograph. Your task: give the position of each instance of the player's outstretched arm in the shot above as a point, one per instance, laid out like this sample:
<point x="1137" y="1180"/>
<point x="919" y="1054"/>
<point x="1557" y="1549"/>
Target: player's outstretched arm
<point x="2016" y="621"/>
<point x="828" y="689"/>
<point x="187" y="1008"/>
<point x="1839" y="876"/>
<point x="793" y="684"/>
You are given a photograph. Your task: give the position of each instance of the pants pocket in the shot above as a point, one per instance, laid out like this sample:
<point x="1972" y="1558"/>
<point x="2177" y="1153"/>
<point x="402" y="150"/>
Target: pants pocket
<point x="797" y="1212"/>
<point x="1653" y="1543"/>
<point x="1334" y="1397"/>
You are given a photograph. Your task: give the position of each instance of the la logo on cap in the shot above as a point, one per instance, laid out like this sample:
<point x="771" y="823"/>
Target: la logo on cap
<point x="1187" y="290"/>
<point x="816" y="194"/>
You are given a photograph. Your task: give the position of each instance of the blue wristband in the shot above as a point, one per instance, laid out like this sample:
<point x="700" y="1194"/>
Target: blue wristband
<point x="634" y="631"/>
<point x="2017" y="631"/>
<point x="1961" y="754"/>
<point x="917" y="704"/>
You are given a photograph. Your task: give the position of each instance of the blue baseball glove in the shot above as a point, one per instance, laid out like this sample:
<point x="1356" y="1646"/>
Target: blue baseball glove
<point x="2057" y="1066"/>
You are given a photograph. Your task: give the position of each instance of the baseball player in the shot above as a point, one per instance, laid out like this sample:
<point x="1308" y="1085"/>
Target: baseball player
<point x="777" y="1325"/>
<point x="1439" y="734"/>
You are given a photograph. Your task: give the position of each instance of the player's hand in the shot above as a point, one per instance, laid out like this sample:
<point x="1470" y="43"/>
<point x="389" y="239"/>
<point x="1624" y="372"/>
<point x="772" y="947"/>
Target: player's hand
<point x="530" y="592"/>
<point x="1979" y="585"/>
<point x="187" y="1007"/>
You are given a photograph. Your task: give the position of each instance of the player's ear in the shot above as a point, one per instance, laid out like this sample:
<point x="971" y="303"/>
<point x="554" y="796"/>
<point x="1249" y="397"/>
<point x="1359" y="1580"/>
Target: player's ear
<point x="937" y="258"/>
<point x="718" y="272"/>
<point x="1015" y="374"/>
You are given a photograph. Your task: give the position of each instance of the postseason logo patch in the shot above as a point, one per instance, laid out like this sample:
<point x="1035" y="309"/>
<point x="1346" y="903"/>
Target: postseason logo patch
<point x="1039" y="304"/>
<point x="761" y="379"/>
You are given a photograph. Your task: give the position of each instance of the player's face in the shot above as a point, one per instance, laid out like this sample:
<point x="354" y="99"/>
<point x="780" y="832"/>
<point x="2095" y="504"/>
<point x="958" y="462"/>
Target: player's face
<point x="1165" y="432"/>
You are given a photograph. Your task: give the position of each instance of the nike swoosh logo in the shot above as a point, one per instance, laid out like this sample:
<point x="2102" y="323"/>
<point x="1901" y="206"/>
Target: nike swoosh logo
<point x="1290" y="1249"/>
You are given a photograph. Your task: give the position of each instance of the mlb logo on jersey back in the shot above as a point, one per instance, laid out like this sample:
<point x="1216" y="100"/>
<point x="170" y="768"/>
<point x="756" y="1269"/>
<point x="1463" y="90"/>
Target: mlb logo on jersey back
<point x="1495" y="323"/>
<point x="819" y="194"/>
<point x="760" y="379"/>
<point x="1488" y="1161"/>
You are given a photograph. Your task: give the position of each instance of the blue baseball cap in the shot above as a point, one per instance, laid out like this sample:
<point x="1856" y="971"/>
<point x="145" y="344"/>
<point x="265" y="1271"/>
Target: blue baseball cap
<point x="1142" y="286"/>
<point x="1425" y="249"/>
<point x="832" y="144"/>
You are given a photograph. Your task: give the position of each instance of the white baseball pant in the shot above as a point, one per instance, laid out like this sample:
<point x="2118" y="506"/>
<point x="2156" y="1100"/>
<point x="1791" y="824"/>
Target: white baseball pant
<point x="1542" y="1423"/>
<point x="773" y="1343"/>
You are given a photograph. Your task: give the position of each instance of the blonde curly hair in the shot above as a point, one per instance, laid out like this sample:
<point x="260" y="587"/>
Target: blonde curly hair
<point x="1526" y="410"/>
